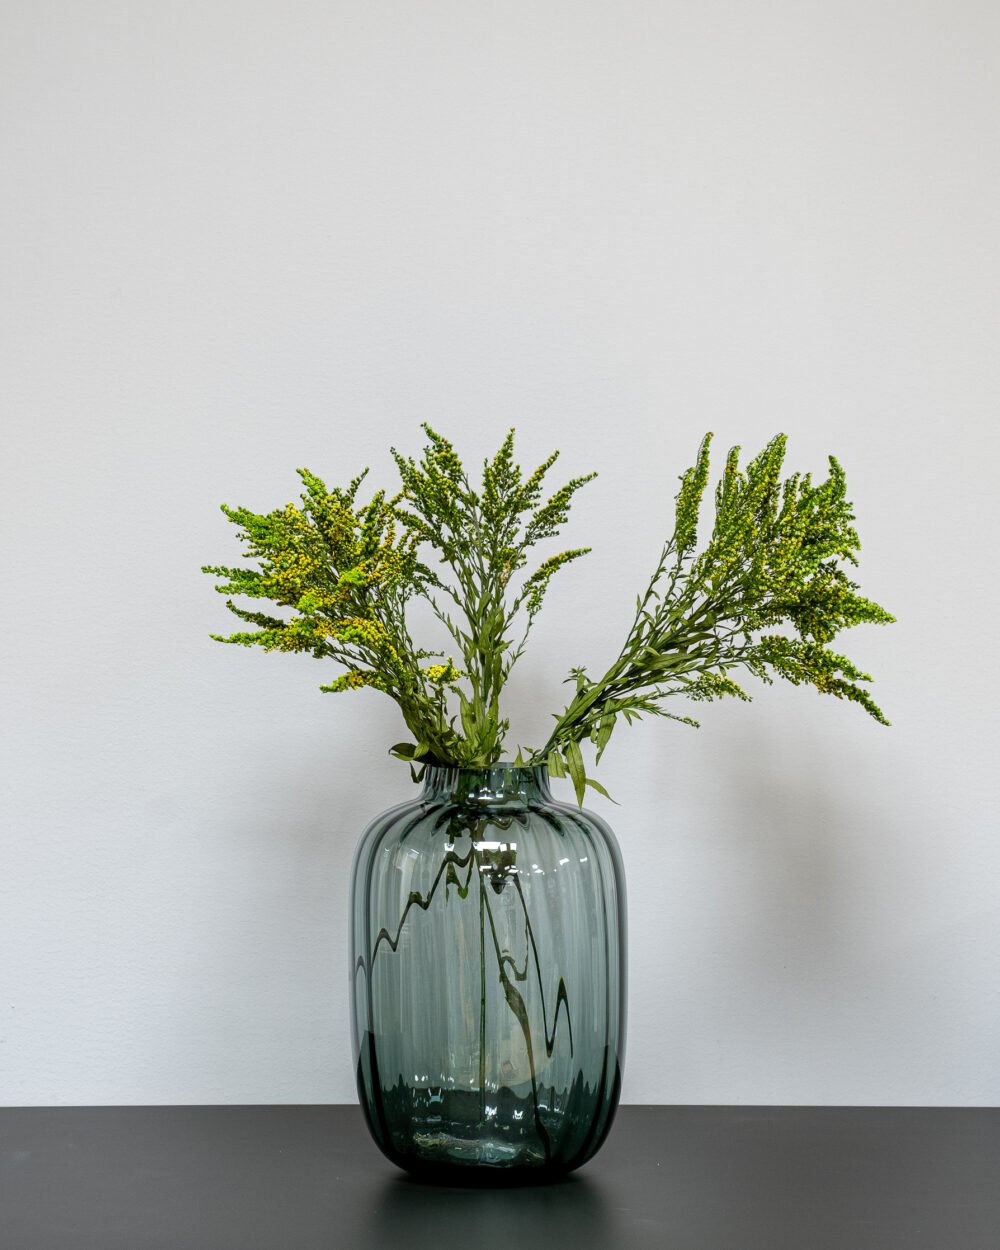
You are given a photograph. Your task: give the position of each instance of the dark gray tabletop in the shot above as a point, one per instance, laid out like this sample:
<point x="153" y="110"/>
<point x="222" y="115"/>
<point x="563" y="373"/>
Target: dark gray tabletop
<point x="673" y="1178"/>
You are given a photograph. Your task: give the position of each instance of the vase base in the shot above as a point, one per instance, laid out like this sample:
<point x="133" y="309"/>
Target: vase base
<point x="447" y="1148"/>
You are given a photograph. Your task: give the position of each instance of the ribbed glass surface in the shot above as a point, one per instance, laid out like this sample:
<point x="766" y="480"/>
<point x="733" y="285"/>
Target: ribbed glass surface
<point x="488" y="977"/>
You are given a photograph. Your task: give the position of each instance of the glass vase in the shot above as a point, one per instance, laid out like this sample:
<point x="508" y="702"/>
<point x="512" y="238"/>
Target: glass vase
<point x="488" y="978"/>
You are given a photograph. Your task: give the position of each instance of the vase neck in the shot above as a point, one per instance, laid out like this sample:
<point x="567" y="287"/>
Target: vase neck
<point x="496" y="784"/>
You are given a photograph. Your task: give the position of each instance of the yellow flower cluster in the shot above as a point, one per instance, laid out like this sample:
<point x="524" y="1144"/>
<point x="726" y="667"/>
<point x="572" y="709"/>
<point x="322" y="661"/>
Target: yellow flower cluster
<point x="355" y="679"/>
<point x="441" y="674"/>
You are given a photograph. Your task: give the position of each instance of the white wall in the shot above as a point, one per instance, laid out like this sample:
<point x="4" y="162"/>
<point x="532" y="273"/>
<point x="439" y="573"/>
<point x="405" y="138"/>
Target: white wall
<point x="241" y="237"/>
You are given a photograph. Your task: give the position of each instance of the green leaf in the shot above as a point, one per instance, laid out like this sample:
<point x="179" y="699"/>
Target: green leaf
<point x="574" y="762"/>
<point x="601" y="790"/>
<point x="403" y="750"/>
<point x="468" y="716"/>
<point x="555" y="762"/>
<point x="605" y="728"/>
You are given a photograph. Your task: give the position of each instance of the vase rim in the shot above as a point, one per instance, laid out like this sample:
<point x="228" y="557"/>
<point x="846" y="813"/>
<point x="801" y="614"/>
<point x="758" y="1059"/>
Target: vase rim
<point x="504" y="782"/>
<point x="485" y="768"/>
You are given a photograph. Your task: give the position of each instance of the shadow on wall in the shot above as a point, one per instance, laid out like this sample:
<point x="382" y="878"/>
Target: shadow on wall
<point x="772" y="916"/>
<point x="260" y="1013"/>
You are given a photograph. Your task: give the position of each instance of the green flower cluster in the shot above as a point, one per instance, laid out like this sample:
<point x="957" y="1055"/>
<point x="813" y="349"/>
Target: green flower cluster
<point x="345" y="574"/>
<point x="773" y="560"/>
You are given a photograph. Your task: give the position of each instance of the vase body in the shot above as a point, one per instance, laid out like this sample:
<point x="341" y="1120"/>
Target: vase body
<point x="488" y="977"/>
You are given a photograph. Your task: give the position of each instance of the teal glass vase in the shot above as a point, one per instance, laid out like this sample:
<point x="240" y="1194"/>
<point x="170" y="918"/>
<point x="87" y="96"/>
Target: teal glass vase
<point x="488" y="978"/>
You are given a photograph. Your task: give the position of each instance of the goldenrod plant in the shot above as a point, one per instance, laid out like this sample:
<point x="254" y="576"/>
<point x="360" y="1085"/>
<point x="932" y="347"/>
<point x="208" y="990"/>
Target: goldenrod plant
<point x="765" y="594"/>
